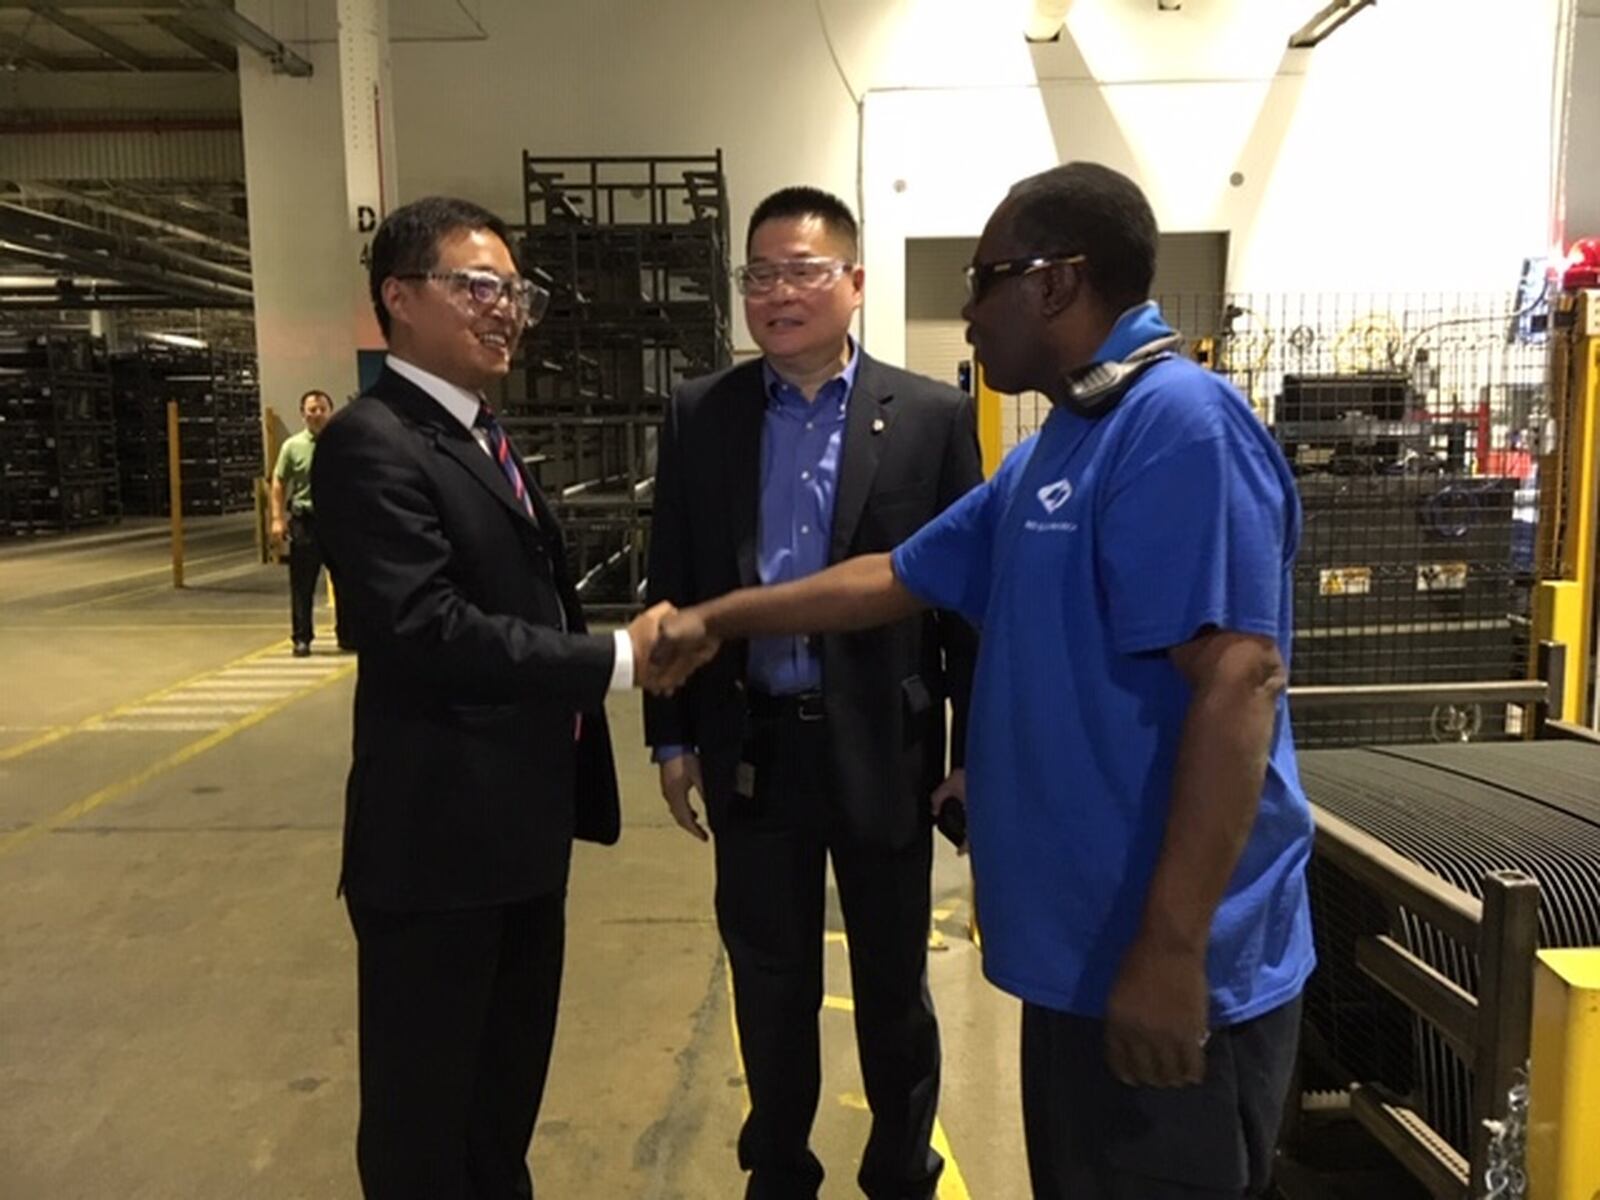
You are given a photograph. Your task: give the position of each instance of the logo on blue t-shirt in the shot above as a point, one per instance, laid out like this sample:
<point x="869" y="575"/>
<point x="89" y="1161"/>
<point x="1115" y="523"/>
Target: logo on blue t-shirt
<point x="1054" y="495"/>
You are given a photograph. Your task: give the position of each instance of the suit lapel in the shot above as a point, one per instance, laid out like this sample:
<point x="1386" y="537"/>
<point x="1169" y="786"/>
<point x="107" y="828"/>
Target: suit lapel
<point x="454" y="441"/>
<point x="742" y="461"/>
<point x="466" y="451"/>
<point x="867" y="422"/>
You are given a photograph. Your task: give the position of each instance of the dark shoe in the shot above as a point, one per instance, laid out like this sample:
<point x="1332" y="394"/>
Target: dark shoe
<point x="302" y="649"/>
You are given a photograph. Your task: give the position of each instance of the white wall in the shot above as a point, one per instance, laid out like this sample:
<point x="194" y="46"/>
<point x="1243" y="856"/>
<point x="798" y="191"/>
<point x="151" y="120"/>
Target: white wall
<point x="626" y="77"/>
<point x="1405" y="154"/>
<point x="1411" y="151"/>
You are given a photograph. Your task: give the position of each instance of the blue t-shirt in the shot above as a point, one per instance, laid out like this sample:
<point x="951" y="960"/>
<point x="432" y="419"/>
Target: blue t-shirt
<point x="1097" y="546"/>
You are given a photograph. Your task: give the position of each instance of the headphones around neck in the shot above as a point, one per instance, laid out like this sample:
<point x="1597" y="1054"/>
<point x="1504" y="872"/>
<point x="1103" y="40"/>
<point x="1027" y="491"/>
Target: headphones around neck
<point x="1095" y="390"/>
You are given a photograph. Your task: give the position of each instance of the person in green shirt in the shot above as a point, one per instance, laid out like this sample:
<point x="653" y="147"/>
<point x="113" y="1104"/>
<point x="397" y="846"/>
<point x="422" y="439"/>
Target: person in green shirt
<point x="292" y="516"/>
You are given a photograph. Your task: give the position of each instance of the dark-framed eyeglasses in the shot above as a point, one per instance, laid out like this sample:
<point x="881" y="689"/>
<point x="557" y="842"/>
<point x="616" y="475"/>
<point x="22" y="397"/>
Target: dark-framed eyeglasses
<point x="983" y="276"/>
<point x="485" y="289"/>
<point x="803" y="274"/>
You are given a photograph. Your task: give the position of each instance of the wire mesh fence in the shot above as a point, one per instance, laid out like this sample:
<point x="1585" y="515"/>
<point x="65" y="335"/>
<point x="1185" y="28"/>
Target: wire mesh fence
<point x="1414" y="425"/>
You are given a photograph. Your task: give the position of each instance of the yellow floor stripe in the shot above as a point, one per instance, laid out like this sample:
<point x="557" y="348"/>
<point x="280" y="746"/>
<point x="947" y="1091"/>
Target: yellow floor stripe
<point x="952" y="1184"/>
<point x="199" y="623"/>
<point x="55" y="735"/>
<point x="122" y="787"/>
<point x="733" y="1027"/>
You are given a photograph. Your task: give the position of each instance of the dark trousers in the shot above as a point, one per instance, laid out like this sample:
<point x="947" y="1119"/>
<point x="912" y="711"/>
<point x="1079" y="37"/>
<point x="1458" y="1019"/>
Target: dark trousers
<point x="305" y="565"/>
<point x="771" y="852"/>
<point x="457" y="1017"/>
<point x="1092" y="1138"/>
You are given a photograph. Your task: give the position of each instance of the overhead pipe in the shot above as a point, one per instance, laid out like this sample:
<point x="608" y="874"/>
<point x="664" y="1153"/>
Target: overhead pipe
<point x="154" y="254"/>
<point x="219" y="14"/>
<point x="1328" y="18"/>
<point x="46" y="192"/>
<point x="103" y="253"/>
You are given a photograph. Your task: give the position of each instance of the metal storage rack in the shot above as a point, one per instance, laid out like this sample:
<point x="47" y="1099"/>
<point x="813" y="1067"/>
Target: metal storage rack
<point x="58" y="452"/>
<point x="635" y="252"/>
<point x="219" y="428"/>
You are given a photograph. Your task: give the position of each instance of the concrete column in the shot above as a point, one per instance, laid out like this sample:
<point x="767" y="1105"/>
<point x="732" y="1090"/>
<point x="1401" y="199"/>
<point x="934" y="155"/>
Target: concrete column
<point x="310" y="287"/>
<point x="369" y="157"/>
<point x="1583" y="130"/>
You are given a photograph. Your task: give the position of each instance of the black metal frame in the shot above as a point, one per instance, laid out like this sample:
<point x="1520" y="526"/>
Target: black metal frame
<point x="219" y="421"/>
<point x="635" y="251"/>
<point x="58" y="451"/>
<point x="1489" y="1028"/>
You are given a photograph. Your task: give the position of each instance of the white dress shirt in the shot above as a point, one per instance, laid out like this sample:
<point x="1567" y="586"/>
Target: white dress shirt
<point x="463" y="406"/>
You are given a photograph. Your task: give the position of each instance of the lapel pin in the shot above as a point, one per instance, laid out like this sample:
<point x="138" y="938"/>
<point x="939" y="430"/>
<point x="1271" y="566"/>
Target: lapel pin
<point x="877" y="425"/>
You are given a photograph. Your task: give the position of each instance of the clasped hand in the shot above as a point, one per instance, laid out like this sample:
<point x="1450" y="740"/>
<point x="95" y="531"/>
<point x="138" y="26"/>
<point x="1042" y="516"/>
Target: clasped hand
<point x="669" y="645"/>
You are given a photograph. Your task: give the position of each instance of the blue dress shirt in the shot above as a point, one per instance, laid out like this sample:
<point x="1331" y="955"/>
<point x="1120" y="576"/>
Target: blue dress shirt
<point x="802" y="442"/>
<point x="801" y="445"/>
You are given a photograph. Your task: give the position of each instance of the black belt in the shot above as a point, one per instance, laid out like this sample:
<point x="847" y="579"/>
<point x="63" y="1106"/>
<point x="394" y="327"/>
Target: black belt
<point x="800" y="706"/>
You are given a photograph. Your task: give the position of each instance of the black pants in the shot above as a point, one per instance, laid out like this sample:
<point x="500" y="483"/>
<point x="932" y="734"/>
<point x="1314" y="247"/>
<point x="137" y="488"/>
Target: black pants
<point x="771" y="853"/>
<point x="457" y="1017"/>
<point x="1093" y="1138"/>
<point x="305" y="565"/>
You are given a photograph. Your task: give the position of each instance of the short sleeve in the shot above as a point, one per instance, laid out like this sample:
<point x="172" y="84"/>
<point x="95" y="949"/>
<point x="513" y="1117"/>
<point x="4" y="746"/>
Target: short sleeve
<point x="1192" y="538"/>
<point x="282" y="468"/>
<point x="945" y="564"/>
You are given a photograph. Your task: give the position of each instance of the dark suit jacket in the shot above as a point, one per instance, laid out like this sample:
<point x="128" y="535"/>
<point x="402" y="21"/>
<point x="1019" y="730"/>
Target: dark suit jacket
<point x="910" y="449"/>
<point x="467" y="785"/>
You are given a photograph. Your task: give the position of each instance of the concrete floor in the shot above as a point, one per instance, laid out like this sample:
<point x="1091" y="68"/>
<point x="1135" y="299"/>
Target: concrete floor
<point x="177" y="989"/>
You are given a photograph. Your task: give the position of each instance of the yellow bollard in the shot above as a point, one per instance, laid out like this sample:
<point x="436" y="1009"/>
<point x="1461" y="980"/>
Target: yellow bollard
<point x="175" y="491"/>
<point x="990" y="425"/>
<point x="1564" y="1079"/>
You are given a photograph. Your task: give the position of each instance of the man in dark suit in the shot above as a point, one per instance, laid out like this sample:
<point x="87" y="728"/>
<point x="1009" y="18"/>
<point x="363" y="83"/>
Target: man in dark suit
<point x="481" y="746"/>
<point x="806" y="749"/>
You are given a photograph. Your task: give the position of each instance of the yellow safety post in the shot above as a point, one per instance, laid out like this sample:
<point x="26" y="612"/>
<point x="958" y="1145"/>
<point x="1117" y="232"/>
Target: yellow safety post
<point x="273" y="432"/>
<point x="1564" y="1079"/>
<point x="1558" y="616"/>
<point x="989" y="426"/>
<point x="175" y="491"/>
<point x="1570" y="504"/>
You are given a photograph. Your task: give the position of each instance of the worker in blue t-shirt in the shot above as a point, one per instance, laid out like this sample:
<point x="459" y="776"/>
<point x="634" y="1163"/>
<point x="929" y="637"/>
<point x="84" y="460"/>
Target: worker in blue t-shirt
<point x="1139" y="835"/>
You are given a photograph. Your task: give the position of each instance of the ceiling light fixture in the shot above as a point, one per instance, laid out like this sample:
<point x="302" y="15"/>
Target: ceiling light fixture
<point x="1327" y="19"/>
<point x="1045" y="19"/>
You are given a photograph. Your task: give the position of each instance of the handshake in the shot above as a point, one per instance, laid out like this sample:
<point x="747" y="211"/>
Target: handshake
<point x="669" y="645"/>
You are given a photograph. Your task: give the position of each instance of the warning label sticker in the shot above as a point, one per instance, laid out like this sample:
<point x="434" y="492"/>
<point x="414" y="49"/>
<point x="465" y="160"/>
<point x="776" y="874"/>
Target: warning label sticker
<point x="1442" y="577"/>
<point x="1346" y="581"/>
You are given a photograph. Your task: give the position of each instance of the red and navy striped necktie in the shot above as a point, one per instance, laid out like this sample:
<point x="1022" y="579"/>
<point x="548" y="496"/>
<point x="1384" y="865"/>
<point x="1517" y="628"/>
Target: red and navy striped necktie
<point x="500" y="450"/>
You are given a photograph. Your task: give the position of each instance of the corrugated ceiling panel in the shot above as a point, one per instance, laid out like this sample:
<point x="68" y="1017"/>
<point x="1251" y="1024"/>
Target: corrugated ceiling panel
<point x="170" y="154"/>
